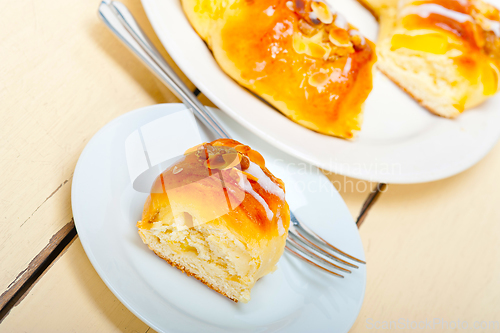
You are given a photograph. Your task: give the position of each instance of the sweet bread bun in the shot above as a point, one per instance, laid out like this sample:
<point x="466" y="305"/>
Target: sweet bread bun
<point x="301" y="56"/>
<point x="444" y="53"/>
<point x="219" y="215"/>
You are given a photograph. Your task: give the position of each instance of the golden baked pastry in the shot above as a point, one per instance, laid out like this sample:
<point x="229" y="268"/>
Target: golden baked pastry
<point x="444" y="53"/>
<point x="301" y="56"/>
<point x="219" y="215"/>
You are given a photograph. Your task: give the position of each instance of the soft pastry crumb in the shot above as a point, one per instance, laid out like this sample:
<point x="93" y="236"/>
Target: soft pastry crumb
<point x="227" y="236"/>
<point x="445" y="73"/>
<point x="212" y="256"/>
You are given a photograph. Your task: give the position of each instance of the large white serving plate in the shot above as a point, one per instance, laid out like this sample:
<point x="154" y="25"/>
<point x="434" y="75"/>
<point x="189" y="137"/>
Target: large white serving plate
<point x="295" y="298"/>
<point x="400" y="142"/>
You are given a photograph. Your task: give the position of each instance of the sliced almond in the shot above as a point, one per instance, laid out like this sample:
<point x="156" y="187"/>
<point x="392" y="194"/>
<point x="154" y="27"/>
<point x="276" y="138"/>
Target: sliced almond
<point x="250" y="176"/>
<point x="193" y="149"/>
<point x="177" y="170"/>
<point x="244" y="162"/>
<point x="306" y="28"/>
<point x="313" y="18"/>
<point x="299" y="44"/>
<point x="318" y="79"/>
<point x="257" y="158"/>
<point x="241" y="148"/>
<point x="215" y="162"/>
<point x="232" y="160"/>
<point x="318" y="50"/>
<point x="322" y="12"/>
<point x="339" y="37"/>
<point x="357" y="40"/>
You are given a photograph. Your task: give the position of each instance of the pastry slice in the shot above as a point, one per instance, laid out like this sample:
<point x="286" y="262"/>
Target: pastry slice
<point x="219" y="215"/>
<point x="301" y="56"/>
<point x="444" y="53"/>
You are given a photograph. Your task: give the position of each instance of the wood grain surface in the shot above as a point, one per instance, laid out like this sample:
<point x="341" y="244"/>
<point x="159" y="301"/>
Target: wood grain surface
<point x="433" y="252"/>
<point x="71" y="297"/>
<point x="63" y="76"/>
<point x="432" y="249"/>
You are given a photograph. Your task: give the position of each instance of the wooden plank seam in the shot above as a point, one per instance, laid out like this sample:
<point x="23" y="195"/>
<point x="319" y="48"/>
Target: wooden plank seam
<point x="369" y="202"/>
<point x="59" y="242"/>
<point x="37" y="268"/>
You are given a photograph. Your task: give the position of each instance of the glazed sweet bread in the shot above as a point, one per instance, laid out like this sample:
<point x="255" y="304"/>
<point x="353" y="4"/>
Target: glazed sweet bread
<point x="444" y="53"/>
<point x="219" y="215"/>
<point x="301" y="56"/>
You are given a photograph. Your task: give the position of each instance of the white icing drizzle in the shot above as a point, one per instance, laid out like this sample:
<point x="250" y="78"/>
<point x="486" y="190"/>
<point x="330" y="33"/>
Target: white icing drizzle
<point x="427" y="9"/>
<point x="341" y="22"/>
<point x="347" y="67"/>
<point x="269" y="11"/>
<point x="245" y="185"/>
<point x="259" y="66"/>
<point x="494" y="26"/>
<point x="281" y="228"/>
<point x="264" y="181"/>
<point x="357" y="33"/>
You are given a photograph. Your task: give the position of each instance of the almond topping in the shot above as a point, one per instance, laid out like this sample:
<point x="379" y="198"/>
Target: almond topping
<point x="322" y="12"/>
<point x="223" y="162"/>
<point x="306" y="28"/>
<point x="339" y="37"/>
<point x="244" y="163"/>
<point x="231" y="160"/>
<point x="176" y="170"/>
<point x="193" y="149"/>
<point x="318" y="79"/>
<point x="321" y="51"/>
<point x="257" y="158"/>
<point x="215" y="162"/>
<point x="314" y="18"/>
<point x="357" y="40"/>
<point x="250" y="176"/>
<point x="241" y="148"/>
<point x="299" y="44"/>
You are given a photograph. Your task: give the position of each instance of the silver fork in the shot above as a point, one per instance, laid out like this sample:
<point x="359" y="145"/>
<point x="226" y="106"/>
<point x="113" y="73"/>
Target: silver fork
<point x="302" y="242"/>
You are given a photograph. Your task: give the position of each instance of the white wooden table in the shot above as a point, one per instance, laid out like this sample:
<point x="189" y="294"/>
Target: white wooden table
<point x="433" y="249"/>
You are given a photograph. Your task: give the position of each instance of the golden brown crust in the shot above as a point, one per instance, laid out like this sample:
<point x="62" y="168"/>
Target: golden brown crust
<point x="418" y="100"/>
<point x="197" y="196"/>
<point x="188" y="273"/>
<point x="254" y="211"/>
<point x="299" y="56"/>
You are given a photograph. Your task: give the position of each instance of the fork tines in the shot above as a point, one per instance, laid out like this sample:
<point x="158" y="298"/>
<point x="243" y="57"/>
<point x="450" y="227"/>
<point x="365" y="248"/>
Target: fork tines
<point x="308" y="246"/>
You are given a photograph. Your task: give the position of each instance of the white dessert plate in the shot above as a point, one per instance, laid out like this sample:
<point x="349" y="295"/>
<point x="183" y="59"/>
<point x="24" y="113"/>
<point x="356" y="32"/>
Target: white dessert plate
<point x="400" y="142"/>
<point x="106" y="207"/>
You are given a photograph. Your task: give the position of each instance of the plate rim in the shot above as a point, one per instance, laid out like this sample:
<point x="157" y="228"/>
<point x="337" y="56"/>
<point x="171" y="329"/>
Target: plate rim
<point x="87" y="247"/>
<point x="408" y="178"/>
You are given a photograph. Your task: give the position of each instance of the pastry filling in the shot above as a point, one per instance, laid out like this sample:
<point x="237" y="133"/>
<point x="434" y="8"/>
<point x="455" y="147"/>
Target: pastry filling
<point x="468" y="32"/>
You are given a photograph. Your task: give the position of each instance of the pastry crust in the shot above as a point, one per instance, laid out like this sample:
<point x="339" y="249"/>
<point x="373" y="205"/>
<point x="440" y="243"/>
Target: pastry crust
<point x="443" y="53"/>
<point x="301" y="56"/>
<point x="196" y="276"/>
<point x="219" y="215"/>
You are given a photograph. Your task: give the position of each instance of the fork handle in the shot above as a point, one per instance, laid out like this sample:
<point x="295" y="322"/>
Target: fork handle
<point x="119" y="19"/>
